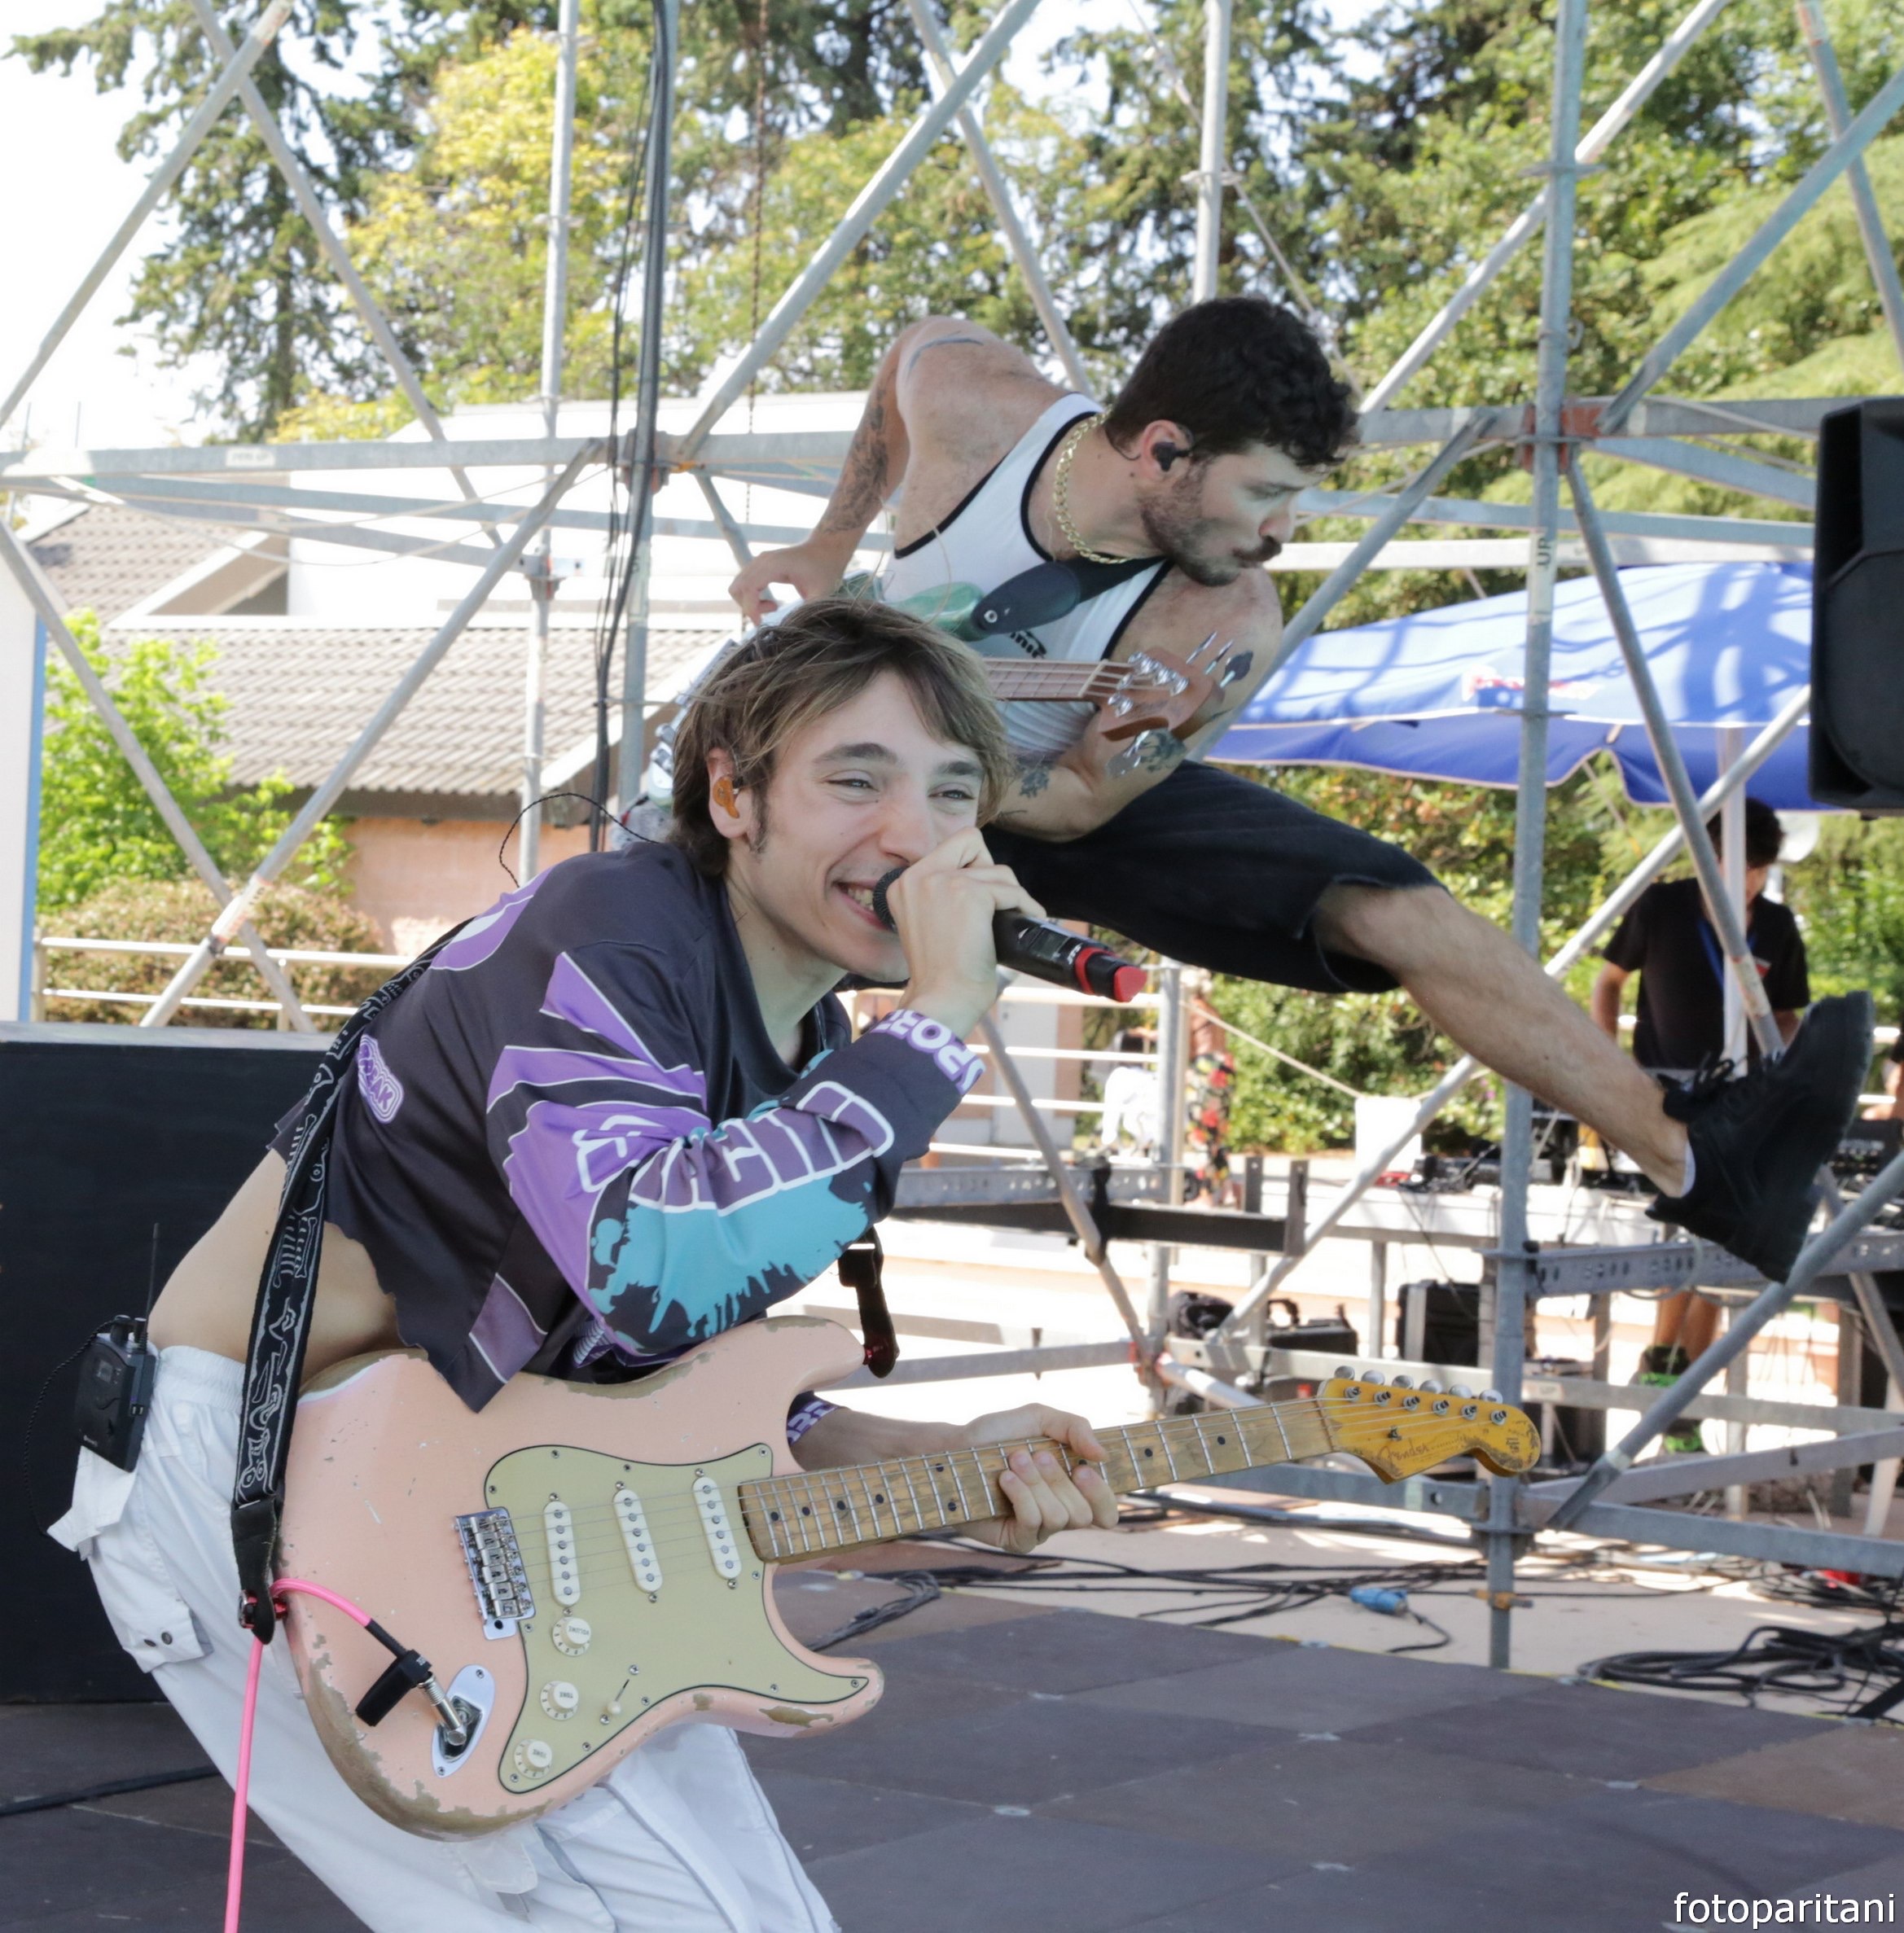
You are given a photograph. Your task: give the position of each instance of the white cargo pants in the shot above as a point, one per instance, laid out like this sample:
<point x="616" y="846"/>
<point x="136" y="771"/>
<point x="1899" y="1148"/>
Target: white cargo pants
<point x="679" y="1839"/>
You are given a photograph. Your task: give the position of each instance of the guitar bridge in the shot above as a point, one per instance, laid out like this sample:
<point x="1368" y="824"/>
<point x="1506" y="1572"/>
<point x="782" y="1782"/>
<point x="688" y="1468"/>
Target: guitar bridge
<point x="496" y="1570"/>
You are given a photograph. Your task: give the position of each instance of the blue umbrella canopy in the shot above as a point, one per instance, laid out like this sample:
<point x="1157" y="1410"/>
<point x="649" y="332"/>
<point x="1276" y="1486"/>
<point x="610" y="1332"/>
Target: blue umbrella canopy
<point x="1438" y="695"/>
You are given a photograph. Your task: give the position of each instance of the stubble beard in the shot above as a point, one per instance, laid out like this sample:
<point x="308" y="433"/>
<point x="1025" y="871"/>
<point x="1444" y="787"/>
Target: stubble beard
<point x="1175" y="528"/>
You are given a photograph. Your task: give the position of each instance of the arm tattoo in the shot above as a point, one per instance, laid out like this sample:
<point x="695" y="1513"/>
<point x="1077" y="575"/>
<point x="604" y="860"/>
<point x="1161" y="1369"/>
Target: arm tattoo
<point x="1159" y="750"/>
<point x="1034" y="774"/>
<point x="861" y="488"/>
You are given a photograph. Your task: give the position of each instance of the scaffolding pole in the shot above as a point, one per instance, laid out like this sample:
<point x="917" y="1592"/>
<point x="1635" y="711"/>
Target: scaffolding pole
<point x="327" y="795"/>
<point x="1513" y="1278"/>
<point x="643" y="472"/>
<point x="1214" y="149"/>
<point x="939" y="66"/>
<point x="26" y="572"/>
<point x="868" y="205"/>
<point x="1636" y="94"/>
<point x="262" y="34"/>
<point x="539" y="566"/>
<point x="1871" y="223"/>
<point x="311" y="207"/>
<point x="1870" y="122"/>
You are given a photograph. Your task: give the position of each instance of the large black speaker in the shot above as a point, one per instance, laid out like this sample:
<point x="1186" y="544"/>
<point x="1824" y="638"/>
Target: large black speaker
<point x="103" y="1131"/>
<point x="1857" y="610"/>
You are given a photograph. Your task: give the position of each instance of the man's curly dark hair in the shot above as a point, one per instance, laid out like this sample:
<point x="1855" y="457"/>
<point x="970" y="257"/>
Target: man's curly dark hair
<point x="1237" y="370"/>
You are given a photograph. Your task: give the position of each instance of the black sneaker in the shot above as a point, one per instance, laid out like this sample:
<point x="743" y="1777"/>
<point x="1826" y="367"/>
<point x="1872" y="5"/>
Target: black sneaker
<point x="1758" y="1143"/>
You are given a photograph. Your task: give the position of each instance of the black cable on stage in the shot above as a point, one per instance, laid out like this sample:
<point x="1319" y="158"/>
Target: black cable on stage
<point x="1836" y="1667"/>
<point x="112" y="1788"/>
<point x="1224" y="1594"/>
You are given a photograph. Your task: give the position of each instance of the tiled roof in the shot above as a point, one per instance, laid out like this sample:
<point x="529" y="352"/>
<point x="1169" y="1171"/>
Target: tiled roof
<point x="300" y="694"/>
<point x="107" y="559"/>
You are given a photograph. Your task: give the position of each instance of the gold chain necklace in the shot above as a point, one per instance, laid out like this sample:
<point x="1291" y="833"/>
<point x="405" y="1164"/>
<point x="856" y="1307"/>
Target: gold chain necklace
<point x="1061" y="491"/>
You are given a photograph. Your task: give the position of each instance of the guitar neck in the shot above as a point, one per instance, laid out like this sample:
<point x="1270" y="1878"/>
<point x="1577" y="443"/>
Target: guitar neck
<point x="802" y="1515"/>
<point x="1051" y="683"/>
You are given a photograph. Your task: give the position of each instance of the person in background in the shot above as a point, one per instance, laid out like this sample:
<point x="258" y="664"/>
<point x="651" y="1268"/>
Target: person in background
<point x="1209" y="1091"/>
<point x="1669" y="940"/>
<point x="1894" y="1080"/>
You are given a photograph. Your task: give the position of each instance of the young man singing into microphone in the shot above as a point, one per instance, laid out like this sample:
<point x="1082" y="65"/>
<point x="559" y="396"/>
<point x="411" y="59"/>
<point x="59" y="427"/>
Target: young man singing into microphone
<point x="655" y="1025"/>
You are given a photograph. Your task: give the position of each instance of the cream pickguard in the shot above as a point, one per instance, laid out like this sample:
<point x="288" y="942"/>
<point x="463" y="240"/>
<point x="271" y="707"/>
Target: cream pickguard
<point x="584" y="1565"/>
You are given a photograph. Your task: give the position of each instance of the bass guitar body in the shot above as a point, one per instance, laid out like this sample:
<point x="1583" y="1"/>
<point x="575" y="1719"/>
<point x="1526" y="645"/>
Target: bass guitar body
<point x="572" y="1560"/>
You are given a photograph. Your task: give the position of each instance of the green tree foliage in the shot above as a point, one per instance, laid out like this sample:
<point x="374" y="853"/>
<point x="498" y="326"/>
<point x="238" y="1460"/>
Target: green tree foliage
<point x="230" y="995"/>
<point x="98" y="827"/>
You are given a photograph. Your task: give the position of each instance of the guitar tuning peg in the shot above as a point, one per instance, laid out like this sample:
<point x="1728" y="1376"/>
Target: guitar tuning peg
<point x="1429" y="1387"/>
<point x="1492" y="1395"/>
<point x="1459" y="1389"/>
<point x="1371" y="1378"/>
<point x="1343" y="1372"/>
<point x="1403" y="1382"/>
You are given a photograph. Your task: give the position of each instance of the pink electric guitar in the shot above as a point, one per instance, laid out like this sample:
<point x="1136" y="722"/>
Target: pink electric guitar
<point x="586" y="1565"/>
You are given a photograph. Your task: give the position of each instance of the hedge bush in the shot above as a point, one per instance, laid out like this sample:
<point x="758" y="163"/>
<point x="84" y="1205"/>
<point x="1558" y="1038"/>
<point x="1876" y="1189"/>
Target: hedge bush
<point x="182" y="910"/>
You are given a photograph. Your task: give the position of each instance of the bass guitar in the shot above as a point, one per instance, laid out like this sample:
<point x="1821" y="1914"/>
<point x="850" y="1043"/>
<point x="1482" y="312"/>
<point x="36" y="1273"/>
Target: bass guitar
<point x="584" y="1564"/>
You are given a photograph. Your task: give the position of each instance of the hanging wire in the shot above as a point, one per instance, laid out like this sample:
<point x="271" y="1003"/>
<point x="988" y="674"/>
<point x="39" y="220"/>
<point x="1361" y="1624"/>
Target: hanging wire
<point x="620" y="550"/>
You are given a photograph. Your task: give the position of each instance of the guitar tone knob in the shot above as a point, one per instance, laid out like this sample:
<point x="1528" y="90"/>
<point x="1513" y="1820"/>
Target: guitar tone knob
<point x="534" y="1755"/>
<point x="560" y="1699"/>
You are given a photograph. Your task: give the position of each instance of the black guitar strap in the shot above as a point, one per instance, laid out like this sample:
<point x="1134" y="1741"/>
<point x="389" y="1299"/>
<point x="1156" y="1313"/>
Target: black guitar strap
<point x="281" y="1321"/>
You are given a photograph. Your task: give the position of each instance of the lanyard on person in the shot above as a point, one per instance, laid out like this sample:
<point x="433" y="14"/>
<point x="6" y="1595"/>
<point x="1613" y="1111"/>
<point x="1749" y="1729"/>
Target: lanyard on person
<point x="1709" y="940"/>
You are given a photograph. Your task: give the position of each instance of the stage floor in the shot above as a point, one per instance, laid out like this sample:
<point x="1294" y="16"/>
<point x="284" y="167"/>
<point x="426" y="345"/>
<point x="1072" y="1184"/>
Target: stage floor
<point x="1059" y="1771"/>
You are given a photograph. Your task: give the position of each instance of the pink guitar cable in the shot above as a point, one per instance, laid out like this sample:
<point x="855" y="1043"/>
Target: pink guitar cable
<point x="241" y="1786"/>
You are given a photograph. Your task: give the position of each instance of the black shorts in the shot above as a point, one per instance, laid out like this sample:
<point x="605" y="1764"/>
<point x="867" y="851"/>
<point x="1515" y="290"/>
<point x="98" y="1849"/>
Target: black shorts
<point x="1217" y="872"/>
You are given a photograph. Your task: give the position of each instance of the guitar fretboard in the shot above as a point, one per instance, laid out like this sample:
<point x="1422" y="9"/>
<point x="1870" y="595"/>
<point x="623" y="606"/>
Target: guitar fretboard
<point x="1053" y="683"/>
<point x="869" y="1503"/>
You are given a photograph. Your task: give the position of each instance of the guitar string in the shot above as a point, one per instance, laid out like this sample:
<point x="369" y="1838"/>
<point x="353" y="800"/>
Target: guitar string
<point x="666" y="1523"/>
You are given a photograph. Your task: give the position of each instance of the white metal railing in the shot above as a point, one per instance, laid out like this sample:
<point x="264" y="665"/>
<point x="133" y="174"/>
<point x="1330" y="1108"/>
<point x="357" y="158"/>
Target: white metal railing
<point x="290" y="956"/>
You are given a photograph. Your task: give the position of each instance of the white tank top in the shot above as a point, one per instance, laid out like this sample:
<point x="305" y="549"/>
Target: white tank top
<point x="986" y="541"/>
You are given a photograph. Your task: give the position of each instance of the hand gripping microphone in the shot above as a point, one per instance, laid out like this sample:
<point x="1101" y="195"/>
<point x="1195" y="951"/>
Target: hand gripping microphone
<point x="1046" y="952"/>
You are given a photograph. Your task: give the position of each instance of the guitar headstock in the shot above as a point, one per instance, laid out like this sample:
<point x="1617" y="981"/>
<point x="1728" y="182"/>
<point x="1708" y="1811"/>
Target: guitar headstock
<point x="1163" y="690"/>
<point x="1399" y="1427"/>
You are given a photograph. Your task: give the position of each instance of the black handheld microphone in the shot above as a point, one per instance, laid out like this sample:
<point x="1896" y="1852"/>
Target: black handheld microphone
<point x="1046" y="952"/>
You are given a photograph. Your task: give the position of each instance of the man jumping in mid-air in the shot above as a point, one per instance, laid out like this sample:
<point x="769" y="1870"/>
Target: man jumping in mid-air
<point x="1228" y="415"/>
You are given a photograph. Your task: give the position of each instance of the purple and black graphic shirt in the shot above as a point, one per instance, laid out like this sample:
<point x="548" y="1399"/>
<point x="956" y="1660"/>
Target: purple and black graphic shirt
<point x="572" y="1142"/>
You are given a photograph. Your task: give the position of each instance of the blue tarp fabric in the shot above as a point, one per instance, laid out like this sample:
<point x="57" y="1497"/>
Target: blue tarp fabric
<point x="1438" y="696"/>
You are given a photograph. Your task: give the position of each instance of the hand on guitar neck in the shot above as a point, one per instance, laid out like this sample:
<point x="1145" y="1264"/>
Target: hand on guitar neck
<point x="1051" y="1479"/>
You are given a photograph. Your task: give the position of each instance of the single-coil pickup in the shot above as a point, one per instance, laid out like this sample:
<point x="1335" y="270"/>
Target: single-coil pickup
<point x="634" y="1534"/>
<point x="489" y="1548"/>
<point x="564" y="1565"/>
<point x="713" y="1508"/>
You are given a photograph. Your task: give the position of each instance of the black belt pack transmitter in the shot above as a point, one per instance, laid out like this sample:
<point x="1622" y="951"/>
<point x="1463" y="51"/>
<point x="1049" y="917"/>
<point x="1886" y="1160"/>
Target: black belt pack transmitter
<point x="115" y="1391"/>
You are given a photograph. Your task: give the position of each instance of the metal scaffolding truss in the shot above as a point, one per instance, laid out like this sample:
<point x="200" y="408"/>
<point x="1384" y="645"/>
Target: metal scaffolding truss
<point x="493" y="528"/>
